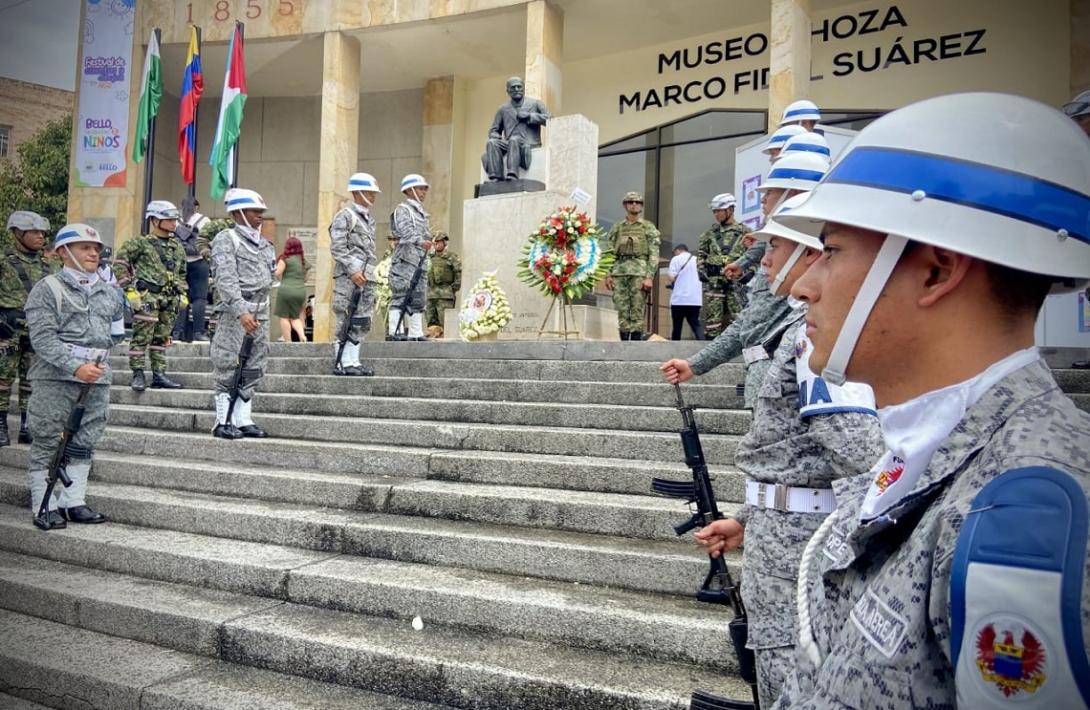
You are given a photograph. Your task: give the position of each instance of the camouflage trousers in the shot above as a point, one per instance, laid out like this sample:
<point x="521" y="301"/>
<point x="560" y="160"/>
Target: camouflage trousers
<point x="435" y="309"/>
<point x="630" y="301"/>
<point x="361" y="319"/>
<point x="151" y="328"/>
<point x="224" y="351"/>
<point x="773" y="667"/>
<point x="15" y="357"/>
<point x="721" y="307"/>
<point x="50" y="406"/>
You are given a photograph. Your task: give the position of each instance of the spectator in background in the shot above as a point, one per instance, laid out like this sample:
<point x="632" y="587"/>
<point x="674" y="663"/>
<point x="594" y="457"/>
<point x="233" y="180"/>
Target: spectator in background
<point x="685" y="292"/>
<point x="1078" y="110"/>
<point x="291" y="269"/>
<point x="197" y="256"/>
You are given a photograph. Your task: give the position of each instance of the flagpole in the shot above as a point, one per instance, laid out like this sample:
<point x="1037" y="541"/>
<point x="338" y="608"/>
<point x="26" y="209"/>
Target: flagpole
<point x="149" y="165"/>
<point x="235" y="149"/>
<point x="189" y="205"/>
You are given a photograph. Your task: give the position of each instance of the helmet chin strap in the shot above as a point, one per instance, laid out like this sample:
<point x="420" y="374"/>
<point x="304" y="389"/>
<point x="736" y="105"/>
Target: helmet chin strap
<point x="363" y="196"/>
<point x="79" y="266"/>
<point x="884" y="263"/>
<point x="783" y="198"/>
<point x="774" y="287"/>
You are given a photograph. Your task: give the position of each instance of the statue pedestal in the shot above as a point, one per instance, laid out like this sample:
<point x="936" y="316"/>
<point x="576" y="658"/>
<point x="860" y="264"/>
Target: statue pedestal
<point x="495" y="228"/>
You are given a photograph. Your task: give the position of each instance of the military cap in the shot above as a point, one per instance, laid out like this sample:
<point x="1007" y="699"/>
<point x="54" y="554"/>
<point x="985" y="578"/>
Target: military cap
<point x="441" y="237"/>
<point x="25" y="220"/>
<point x="632" y="196"/>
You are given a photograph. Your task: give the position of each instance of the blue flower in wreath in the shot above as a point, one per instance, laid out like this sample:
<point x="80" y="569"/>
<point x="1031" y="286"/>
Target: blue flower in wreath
<point x="587" y="254"/>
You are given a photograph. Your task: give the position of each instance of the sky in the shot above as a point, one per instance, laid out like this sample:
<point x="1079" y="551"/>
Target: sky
<point x="38" y="41"/>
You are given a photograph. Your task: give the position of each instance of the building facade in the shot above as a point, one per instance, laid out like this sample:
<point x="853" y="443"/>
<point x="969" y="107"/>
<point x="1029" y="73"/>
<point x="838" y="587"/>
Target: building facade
<point x="25" y="108"/>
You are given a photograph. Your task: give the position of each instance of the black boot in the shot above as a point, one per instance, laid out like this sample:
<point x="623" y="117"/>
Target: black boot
<point x="159" y="380"/>
<point x="138" y="384"/>
<point x="253" y="431"/>
<point x="624" y="335"/>
<point x="5" y="440"/>
<point x="635" y="335"/>
<point x="52" y="520"/>
<point x="82" y="514"/>
<point x="226" y="431"/>
<point x="24" y="433"/>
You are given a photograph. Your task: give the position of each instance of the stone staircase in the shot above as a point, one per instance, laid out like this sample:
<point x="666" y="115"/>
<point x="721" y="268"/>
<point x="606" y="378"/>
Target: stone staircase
<point x="287" y="572"/>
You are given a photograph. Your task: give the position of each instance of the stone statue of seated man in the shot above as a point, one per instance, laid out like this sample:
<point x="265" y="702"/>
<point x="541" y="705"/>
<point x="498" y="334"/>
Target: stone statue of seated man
<point x="516" y="129"/>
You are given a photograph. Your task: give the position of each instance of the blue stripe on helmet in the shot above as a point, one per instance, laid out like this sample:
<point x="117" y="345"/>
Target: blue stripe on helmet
<point x="795" y="174"/>
<point x="808" y="147"/>
<point x="360" y="183"/>
<point x="778" y="139"/>
<point x="69" y="233"/>
<point x="241" y="201"/>
<point x="800" y="112"/>
<point x="983" y="187"/>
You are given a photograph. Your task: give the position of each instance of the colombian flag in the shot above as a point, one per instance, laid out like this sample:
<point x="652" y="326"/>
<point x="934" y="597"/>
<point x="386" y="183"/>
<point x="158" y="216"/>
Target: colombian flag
<point x="192" y="87"/>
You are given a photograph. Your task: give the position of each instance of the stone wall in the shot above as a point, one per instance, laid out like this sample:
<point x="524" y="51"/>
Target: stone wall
<point x="27" y="107"/>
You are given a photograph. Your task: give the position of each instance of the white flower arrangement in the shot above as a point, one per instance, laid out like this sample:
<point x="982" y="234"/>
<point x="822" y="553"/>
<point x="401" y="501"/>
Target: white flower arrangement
<point x="485" y="310"/>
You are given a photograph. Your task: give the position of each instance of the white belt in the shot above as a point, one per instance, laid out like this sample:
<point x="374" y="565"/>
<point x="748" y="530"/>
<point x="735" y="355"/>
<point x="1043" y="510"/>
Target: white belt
<point x="256" y="306"/>
<point x="754" y="354"/>
<point x="790" y="499"/>
<point x="88" y="354"/>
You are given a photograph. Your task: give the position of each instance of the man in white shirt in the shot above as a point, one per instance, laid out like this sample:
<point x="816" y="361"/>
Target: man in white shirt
<point x="685" y="293"/>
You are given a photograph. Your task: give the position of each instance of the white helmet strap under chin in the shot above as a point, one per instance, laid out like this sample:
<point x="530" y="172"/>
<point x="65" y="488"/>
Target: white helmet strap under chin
<point x="774" y="287"/>
<point x="79" y="266"/>
<point x="884" y="263"/>
<point x="784" y="195"/>
<point x="363" y="196"/>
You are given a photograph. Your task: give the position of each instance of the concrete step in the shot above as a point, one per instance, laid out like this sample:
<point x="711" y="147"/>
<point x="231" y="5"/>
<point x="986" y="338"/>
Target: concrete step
<point x="590" y="416"/>
<point x="62" y="666"/>
<point x="436" y="664"/>
<point x="10" y="702"/>
<point x="562" y="392"/>
<point x="640" y="516"/>
<point x="668" y="628"/>
<point x="320" y="363"/>
<point x="671" y="567"/>
<point x="553" y="440"/>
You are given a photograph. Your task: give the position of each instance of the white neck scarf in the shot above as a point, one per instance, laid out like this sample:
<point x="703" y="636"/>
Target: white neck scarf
<point x="80" y="278"/>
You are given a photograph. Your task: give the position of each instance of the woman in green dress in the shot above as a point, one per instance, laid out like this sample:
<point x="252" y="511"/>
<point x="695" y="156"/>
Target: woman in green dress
<point x="291" y="269"/>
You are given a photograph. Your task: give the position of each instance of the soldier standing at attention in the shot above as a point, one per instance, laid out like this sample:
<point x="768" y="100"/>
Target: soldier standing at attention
<point x="721" y="244"/>
<point x="20" y="269"/>
<point x="444" y="280"/>
<point x="634" y="242"/>
<point x="352" y="244"/>
<point x="243" y="261"/>
<point x="955" y="573"/>
<point x="151" y="270"/>
<point x="409" y="223"/>
<point x="71" y="316"/>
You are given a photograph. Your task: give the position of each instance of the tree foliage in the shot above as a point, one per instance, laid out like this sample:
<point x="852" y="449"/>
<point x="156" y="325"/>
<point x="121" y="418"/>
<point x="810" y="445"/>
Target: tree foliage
<point x="37" y="179"/>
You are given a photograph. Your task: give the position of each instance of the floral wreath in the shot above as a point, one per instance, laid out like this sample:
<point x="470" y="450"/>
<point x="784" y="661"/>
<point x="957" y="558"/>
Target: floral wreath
<point x="485" y="310"/>
<point x="564" y="256"/>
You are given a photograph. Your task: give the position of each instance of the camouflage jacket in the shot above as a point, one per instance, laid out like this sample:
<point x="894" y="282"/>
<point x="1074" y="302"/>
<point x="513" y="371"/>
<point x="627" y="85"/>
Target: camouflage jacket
<point x="19" y="271"/>
<point x="880" y="591"/>
<point x="82" y="318"/>
<point x="352" y="243"/>
<point x="751" y="258"/>
<point x="718" y="246"/>
<point x="444" y="275"/>
<point x="150" y="263"/>
<point x="759" y="319"/>
<point x="784" y="447"/>
<point x="636" y="248"/>
<point x="243" y="269"/>
<point x="409" y="223"/>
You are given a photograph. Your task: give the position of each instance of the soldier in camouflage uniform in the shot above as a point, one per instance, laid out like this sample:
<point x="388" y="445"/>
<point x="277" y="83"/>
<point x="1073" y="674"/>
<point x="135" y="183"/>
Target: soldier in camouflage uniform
<point x="71" y="315"/>
<point x="718" y="246"/>
<point x="634" y="241"/>
<point x="955" y="573"/>
<point x="352" y="244"/>
<point x="444" y="280"/>
<point x="409" y="223"/>
<point x="151" y="270"/>
<point x="243" y="262"/>
<point x="20" y="268"/>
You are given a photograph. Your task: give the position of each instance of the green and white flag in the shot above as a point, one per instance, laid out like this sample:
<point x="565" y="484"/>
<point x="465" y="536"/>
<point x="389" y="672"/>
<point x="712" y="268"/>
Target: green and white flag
<point x="151" y="90"/>
<point x="229" y="126"/>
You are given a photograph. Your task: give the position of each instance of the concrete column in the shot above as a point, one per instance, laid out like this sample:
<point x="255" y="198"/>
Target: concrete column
<point x="789" y="70"/>
<point x="337" y="157"/>
<point x="442" y="138"/>
<point x="544" y="49"/>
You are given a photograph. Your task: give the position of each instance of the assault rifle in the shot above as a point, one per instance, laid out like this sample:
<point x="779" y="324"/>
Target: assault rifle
<point x="718" y="586"/>
<point x="235" y="389"/>
<point x="408" y="297"/>
<point x="346" y="326"/>
<point x="58" y="465"/>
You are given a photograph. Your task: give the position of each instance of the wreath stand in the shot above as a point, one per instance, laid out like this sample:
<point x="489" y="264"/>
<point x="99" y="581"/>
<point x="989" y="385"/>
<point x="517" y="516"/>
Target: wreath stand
<point x="564" y="314"/>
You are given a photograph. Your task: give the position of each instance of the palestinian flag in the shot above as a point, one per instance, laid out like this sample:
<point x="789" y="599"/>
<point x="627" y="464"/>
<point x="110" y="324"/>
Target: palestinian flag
<point x="230" y="122"/>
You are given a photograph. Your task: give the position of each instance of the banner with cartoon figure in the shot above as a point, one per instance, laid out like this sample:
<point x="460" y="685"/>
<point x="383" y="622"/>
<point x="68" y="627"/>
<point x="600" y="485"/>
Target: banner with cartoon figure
<point x="105" y="75"/>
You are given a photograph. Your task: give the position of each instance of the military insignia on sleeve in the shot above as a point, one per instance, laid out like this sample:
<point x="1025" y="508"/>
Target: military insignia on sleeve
<point x="1011" y="658"/>
<point x="889" y="475"/>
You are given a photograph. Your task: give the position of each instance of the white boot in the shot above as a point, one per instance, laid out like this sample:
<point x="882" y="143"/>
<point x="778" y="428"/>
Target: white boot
<point x="223" y="428"/>
<point x="243" y="420"/>
<point x="416" y="326"/>
<point x="395" y="316"/>
<point x="38" y="484"/>
<point x="351" y="355"/>
<point x="223" y="403"/>
<point x="74" y="495"/>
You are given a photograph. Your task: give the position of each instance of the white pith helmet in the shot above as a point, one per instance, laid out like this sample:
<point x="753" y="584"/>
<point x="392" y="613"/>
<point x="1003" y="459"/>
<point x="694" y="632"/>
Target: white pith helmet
<point x="76" y="232"/>
<point x="365" y="182"/>
<point x="807" y="142"/>
<point x="780" y="136"/>
<point x="413" y="180"/>
<point x="803" y="241"/>
<point x="801" y="110"/>
<point x="25" y="221"/>
<point x="238" y="198"/>
<point x="799" y="170"/>
<point x="162" y="209"/>
<point x="1001" y="178"/>
<point x="722" y="201"/>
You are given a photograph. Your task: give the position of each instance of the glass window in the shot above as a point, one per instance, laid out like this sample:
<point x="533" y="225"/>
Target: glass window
<point x="854" y="120"/>
<point x="617" y="174"/>
<point x="5" y="134"/>
<point x="640" y="140"/>
<point x="713" y="124"/>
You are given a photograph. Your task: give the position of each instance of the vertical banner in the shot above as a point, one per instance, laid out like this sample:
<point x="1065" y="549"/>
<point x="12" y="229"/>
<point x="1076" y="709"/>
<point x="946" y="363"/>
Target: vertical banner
<point x="105" y="75"/>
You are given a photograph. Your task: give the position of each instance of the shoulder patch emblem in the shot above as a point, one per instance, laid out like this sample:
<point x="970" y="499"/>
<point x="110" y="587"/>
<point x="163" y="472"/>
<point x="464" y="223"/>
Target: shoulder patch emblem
<point x="1010" y="657"/>
<point x="889" y="475"/>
